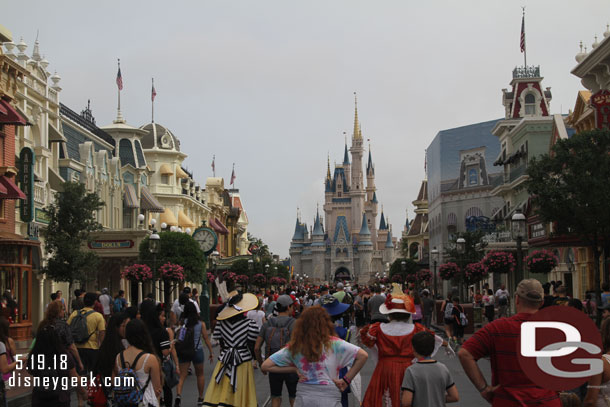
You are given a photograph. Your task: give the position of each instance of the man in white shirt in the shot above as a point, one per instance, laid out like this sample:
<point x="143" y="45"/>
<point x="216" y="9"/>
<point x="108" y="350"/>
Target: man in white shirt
<point x="106" y="300"/>
<point x="178" y="306"/>
<point x="502" y="301"/>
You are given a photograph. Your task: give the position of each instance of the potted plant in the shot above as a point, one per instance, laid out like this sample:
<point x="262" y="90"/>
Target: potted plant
<point x="424" y="275"/>
<point x="448" y="270"/>
<point x="137" y="272"/>
<point x="541" y="261"/>
<point x="172" y="272"/>
<point x="474" y="272"/>
<point x="498" y="261"/>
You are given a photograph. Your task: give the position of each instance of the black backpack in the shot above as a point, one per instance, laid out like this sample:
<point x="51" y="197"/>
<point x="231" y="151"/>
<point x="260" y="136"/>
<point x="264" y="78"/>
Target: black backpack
<point x="277" y="336"/>
<point x="78" y="327"/>
<point x="185" y="343"/>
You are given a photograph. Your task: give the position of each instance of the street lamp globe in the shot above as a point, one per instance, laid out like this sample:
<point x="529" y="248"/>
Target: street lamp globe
<point x="461" y="245"/>
<point x="403" y="265"/>
<point x="188" y="231"/>
<point x="434" y="254"/>
<point x="153" y="221"/>
<point x="518" y="225"/>
<point x="141" y="218"/>
<point x="266" y="268"/>
<point x="250" y="264"/>
<point x="154" y="243"/>
<point x="163" y="226"/>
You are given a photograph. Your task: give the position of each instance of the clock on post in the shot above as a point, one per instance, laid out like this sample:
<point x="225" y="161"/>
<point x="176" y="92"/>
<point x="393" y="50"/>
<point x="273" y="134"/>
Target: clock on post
<point x="206" y="238"/>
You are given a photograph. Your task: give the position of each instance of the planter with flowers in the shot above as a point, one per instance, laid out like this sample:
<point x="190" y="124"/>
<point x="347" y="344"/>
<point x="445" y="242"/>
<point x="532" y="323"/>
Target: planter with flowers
<point x="499" y="262"/>
<point x="448" y="270"/>
<point x="475" y="272"/>
<point x="423" y="275"/>
<point x="259" y="279"/>
<point x="137" y="272"/>
<point x="172" y="272"/>
<point x="541" y="261"/>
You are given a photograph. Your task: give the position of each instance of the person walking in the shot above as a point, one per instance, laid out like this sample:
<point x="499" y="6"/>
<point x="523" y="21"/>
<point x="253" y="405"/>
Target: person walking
<point x="502" y="301"/>
<point x="374" y="304"/>
<point x="275" y="334"/>
<point x="8" y="354"/>
<point x="95" y="327"/>
<point x="317" y="355"/>
<point x="459" y="321"/>
<point x="498" y="340"/>
<point x="61" y="299"/>
<point x="428" y="306"/>
<point x="258" y="316"/>
<point x="107" y="303"/>
<point x="54" y="317"/>
<point x="192" y="352"/>
<point x="232" y="382"/>
<point x="394" y="347"/>
<point x="488" y="303"/>
<point x="159" y="336"/>
<point x="141" y="357"/>
<point x="427" y="382"/>
<point x="447" y="310"/>
<point x="77" y="302"/>
<point x="120" y="303"/>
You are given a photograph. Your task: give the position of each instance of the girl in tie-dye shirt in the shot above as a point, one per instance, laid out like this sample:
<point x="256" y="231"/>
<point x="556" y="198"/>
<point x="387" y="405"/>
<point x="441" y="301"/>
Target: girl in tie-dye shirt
<point x="317" y="355"/>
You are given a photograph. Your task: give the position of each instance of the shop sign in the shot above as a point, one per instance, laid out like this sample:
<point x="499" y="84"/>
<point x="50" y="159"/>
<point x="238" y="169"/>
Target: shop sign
<point x="537" y="230"/>
<point x="33" y="231"/>
<point x="601" y="103"/>
<point x="111" y="244"/>
<point x="26" y="179"/>
<point x="42" y="216"/>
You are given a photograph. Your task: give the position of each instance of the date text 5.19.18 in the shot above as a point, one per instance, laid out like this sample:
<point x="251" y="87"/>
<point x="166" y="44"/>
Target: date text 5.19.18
<point x="40" y="362"/>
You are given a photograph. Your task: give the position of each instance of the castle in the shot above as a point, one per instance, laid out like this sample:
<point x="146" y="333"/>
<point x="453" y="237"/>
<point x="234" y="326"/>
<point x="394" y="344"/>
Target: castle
<point x="350" y="247"/>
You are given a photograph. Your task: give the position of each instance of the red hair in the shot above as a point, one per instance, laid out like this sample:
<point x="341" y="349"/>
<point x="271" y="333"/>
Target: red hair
<point x="312" y="332"/>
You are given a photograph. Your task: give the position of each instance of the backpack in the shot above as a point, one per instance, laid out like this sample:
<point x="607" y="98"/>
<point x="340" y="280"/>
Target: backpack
<point x="462" y="320"/>
<point x="78" y="327"/>
<point x="118" y="304"/>
<point x="96" y="396"/>
<point x="128" y="392"/>
<point x="185" y="343"/>
<point x="448" y="310"/>
<point x="276" y="336"/>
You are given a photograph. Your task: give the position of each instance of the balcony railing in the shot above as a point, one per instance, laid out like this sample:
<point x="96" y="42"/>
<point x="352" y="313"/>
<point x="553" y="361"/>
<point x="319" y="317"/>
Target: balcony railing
<point x="526" y="72"/>
<point x="40" y="194"/>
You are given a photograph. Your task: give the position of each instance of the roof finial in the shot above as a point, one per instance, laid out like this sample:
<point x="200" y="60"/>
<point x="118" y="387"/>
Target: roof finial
<point x="328" y="167"/>
<point x="357" y="133"/>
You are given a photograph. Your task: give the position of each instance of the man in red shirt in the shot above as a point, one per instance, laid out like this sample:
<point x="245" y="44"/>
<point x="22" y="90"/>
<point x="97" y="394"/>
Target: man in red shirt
<point x="499" y="339"/>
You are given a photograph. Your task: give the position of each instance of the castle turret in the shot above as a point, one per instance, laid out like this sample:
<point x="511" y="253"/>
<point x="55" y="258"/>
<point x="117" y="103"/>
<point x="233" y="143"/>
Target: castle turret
<point x="357" y="191"/>
<point x="365" y="250"/>
<point x="388" y="251"/>
<point x="318" y="248"/>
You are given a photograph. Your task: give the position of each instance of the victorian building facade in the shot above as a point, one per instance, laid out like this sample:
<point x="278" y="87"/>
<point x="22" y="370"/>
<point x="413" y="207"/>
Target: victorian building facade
<point x="345" y="242"/>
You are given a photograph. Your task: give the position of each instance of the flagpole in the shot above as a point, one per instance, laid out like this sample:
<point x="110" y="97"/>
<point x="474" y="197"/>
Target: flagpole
<point x="119" y="92"/>
<point x="152" y="97"/>
<point x="524" y="46"/>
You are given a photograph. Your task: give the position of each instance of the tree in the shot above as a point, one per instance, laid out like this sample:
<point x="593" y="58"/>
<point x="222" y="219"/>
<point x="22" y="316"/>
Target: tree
<point x="570" y="189"/>
<point x="72" y="220"/>
<point x="263" y="249"/>
<point x="411" y="267"/>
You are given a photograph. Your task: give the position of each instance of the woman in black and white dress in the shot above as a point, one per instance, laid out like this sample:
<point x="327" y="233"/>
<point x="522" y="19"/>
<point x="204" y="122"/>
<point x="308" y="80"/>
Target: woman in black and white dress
<point x="232" y="382"/>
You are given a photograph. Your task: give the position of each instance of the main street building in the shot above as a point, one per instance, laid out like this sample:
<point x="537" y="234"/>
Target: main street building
<point x="351" y="246"/>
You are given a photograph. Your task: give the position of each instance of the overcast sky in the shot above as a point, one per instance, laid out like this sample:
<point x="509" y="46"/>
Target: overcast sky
<point x="268" y="85"/>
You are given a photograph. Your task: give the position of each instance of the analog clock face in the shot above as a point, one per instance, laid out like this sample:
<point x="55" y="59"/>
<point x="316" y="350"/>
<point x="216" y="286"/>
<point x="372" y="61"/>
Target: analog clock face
<point x="206" y="239"/>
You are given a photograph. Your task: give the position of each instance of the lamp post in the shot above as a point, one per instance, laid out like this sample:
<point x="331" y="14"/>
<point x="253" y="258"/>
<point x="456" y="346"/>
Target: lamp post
<point x="518" y="234"/>
<point x="403" y="268"/>
<point x="460" y="244"/>
<point x="154" y="245"/>
<point x="434" y="257"/>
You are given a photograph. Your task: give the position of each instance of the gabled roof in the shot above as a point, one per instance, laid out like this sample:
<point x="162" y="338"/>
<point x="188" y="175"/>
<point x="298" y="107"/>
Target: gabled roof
<point x="341" y="227"/>
<point x="423" y="191"/>
<point x="416" y="225"/>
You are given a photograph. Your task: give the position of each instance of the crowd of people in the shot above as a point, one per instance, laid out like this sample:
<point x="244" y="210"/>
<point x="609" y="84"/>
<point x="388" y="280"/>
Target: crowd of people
<point x="313" y="341"/>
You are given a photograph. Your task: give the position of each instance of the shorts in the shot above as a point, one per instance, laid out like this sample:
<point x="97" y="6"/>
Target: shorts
<point x="88" y="357"/>
<point x="458" y="330"/>
<point x="449" y="321"/>
<point x="276" y="382"/>
<point x="197" y="359"/>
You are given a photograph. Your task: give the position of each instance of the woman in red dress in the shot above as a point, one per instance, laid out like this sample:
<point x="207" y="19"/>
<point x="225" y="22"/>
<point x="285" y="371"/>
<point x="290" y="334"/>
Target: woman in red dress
<point x="393" y="343"/>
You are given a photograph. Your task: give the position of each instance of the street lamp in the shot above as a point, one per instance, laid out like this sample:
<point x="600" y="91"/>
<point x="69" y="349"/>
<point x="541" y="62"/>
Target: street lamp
<point x="266" y="269"/>
<point x="460" y="244"/>
<point x="518" y="234"/>
<point x="154" y="245"/>
<point x="250" y="265"/>
<point x="434" y="257"/>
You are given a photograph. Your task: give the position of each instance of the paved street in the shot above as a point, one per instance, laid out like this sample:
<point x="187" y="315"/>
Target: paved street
<point x="468" y="394"/>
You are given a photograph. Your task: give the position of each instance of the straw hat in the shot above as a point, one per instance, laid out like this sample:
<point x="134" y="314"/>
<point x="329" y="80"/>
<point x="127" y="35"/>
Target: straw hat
<point x="403" y="304"/>
<point x="237" y="304"/>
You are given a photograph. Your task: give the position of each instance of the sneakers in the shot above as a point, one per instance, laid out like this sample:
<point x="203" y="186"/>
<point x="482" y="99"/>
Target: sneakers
<point x="177" y="401"/>
<point x="199" y="402"/>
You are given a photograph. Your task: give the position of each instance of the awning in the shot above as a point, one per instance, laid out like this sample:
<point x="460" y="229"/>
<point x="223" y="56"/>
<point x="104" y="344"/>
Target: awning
<point x="168" y="218"/>
<point x="55" y="135"/>
<point x="218" y="226"/>
<point x="12" y="191"/>
<point x="3" y="190"/>
<point x="180" y="173"/>
<point x="165" y="170"/>
<point x="184" y="221"/>
<point x="148" y="202"/>
<point x="8" y="114"/>
<point x="55" y="180"/>
<point x="130" y="200"/>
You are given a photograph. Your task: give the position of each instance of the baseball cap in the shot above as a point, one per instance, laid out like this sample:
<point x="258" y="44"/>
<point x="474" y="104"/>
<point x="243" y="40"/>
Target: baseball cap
<point x="530" y="289"/>
<point x="285" y="301"/>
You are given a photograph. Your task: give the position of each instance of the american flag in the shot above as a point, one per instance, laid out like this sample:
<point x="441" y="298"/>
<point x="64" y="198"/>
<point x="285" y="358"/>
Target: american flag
<point x="523" y="34"/>
<point x="233" y="175"/>
<point x="153" y="93"/>
<point x="119" y="79"/>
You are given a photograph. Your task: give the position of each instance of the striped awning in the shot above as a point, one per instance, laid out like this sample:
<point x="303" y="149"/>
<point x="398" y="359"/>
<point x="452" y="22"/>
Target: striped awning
<point x="184" y="221"/>
<point x="130" y="199"/>
<point x="148" y="202"/>
<point x="12" y="191"/>
<point x="180" y="173"/>
<point x="165" y="169"/>
<point x="168" y="218"/>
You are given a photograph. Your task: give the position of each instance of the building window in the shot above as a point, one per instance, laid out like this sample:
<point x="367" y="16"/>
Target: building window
<point x="339" y="194"/>
<point x="165" y="179"/>
<point x="127" y="217"/>
<point x="530" y="104"/>
<point x="473" y="177"/>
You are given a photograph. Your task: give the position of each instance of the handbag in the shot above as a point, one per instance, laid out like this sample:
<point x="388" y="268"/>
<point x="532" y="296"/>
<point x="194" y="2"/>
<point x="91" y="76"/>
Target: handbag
<point x="169" y="371"/>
